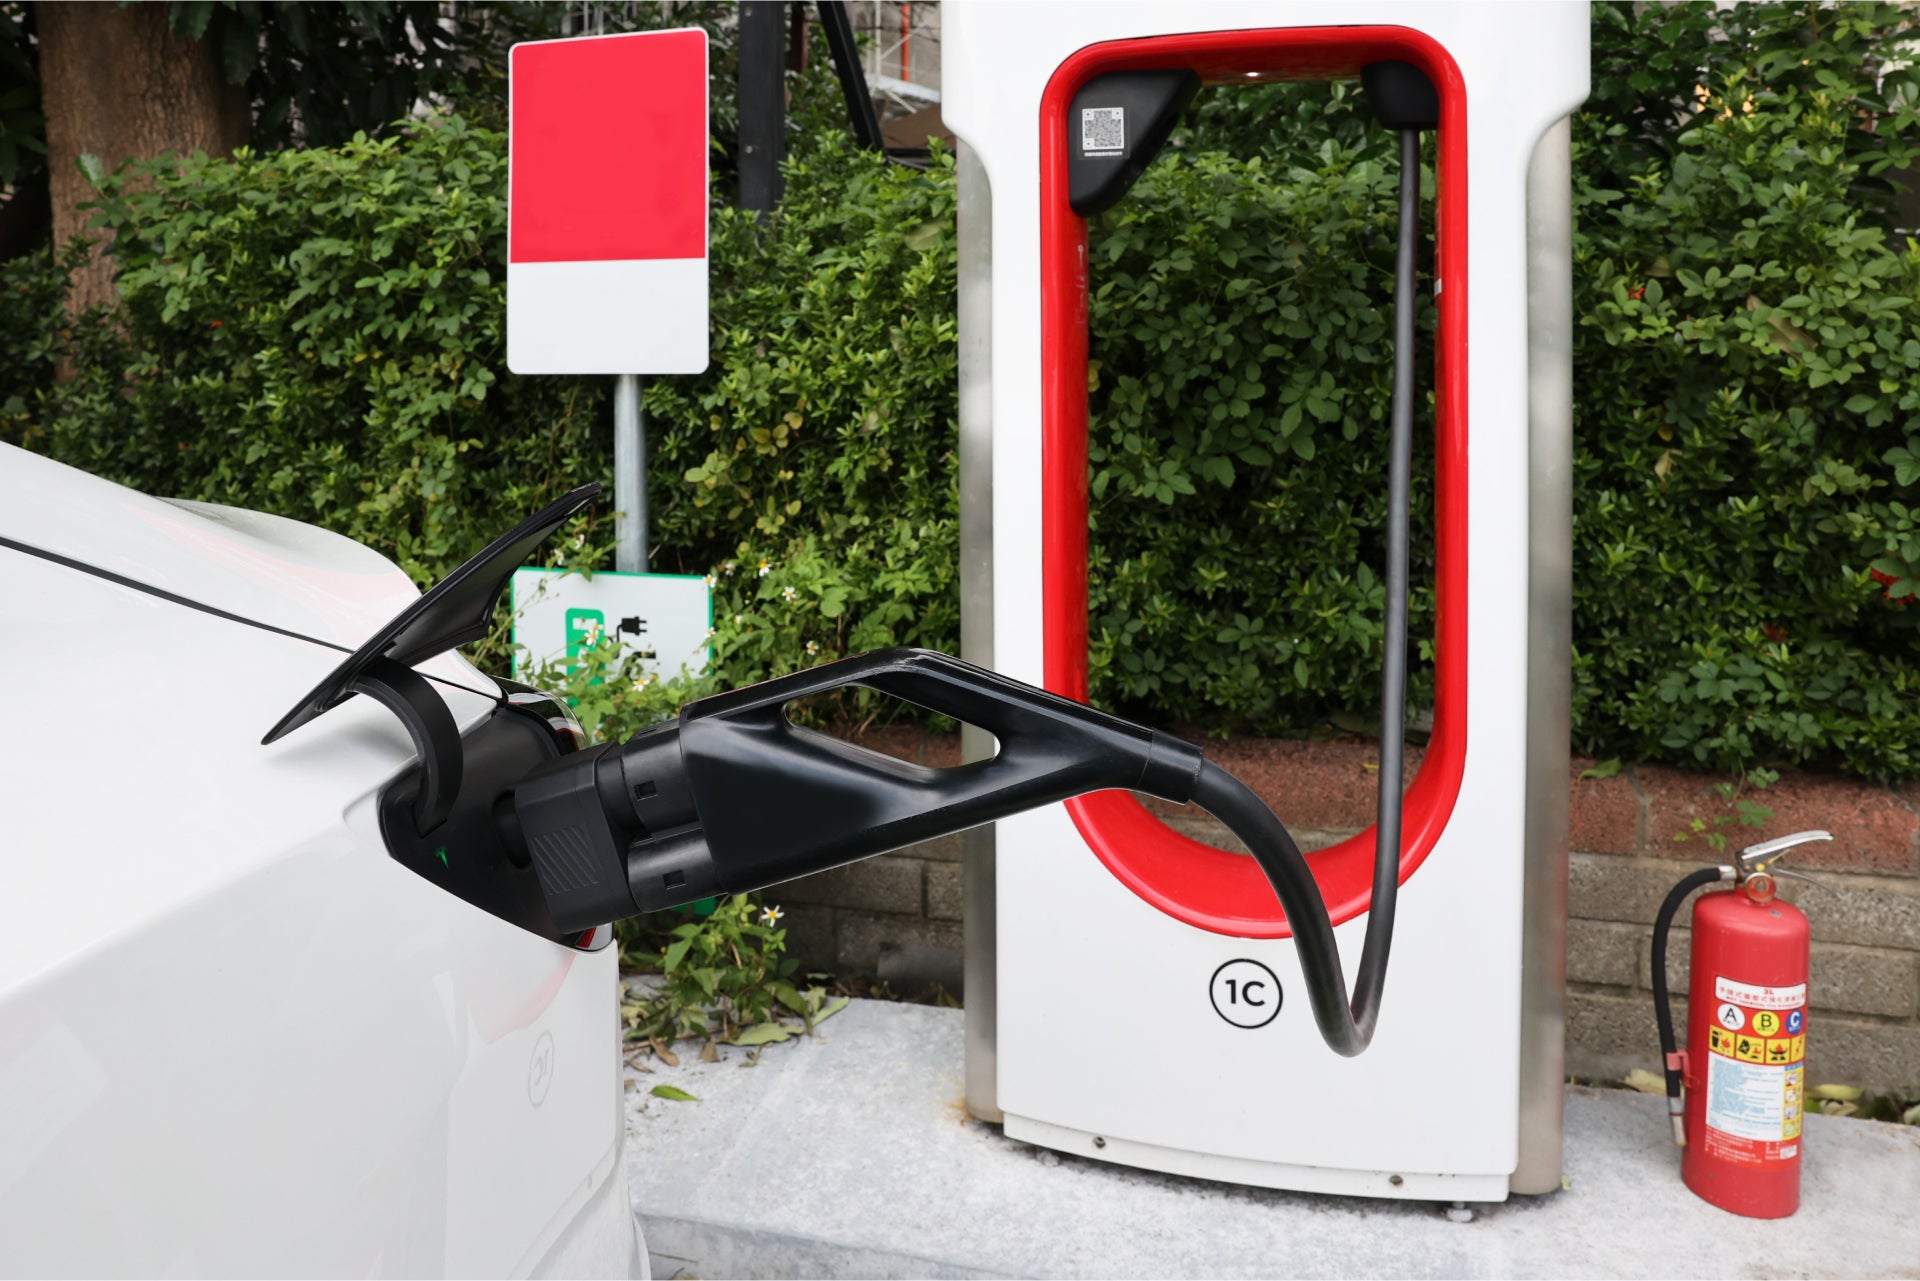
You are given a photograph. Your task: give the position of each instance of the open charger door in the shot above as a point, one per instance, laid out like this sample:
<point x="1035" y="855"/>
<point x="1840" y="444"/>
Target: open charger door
<point x="438" y="816"/>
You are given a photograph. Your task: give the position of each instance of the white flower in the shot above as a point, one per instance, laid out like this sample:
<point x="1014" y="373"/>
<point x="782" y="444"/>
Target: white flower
<point x="709" y="580"/>
<point x="765" y="565"/>
<point x="770" y="915"/>
<point x="788" y="593"/>
<point x="642" y="683"/>
<point x="813" y="647"/>
<point x="736" y="620"/>
<point x="559" y="558"/>
<point x="729" y="567"/>
<point x="579" y="540"/>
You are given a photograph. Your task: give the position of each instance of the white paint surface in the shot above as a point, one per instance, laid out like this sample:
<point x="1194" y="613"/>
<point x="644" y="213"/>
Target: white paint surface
<point x="643" y="316"/>
<point x="236" y="1037"/>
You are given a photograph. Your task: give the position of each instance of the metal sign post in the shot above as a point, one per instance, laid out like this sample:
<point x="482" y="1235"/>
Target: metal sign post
<point x="629" y="476"/>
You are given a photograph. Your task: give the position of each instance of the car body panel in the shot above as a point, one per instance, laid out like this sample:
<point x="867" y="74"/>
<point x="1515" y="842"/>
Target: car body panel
<point x="235" y="1035"/>
<point x="267" y="568"/>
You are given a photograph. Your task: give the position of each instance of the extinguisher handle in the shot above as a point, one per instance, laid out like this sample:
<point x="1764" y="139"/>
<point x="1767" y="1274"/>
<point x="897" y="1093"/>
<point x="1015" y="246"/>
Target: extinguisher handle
<point x="1762" y="857"/>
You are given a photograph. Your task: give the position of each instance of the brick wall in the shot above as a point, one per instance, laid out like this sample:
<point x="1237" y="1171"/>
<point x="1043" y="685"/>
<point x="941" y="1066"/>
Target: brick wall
<point x="1864" y="994"/>
<point x="898" y="917"/>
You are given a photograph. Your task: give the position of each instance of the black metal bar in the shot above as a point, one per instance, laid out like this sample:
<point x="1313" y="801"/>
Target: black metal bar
<point x="797" y="36"/>
<point x="763" y="102"/>
<point x="853" y="79"/>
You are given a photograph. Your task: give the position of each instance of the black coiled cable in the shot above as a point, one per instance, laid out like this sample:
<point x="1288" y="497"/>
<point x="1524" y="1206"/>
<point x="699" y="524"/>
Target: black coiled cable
<point x="1347" y="1026"/>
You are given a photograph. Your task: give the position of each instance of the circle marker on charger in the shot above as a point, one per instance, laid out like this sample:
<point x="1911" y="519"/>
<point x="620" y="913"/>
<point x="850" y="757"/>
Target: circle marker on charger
<point x="1245" y="993"/>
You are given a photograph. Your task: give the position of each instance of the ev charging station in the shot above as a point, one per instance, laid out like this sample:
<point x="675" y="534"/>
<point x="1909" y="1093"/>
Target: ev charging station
<point x="1091" y="919"/>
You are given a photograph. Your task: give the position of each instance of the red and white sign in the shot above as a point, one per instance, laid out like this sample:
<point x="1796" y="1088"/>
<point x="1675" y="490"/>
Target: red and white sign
<point x="607" y="205"/>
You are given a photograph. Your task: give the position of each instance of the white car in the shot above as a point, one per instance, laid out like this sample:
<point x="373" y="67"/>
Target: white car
<point x="293" y="981"/>
<point x="237" y="1034"/>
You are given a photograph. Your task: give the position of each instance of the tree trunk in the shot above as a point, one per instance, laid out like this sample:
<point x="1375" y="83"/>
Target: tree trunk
<point x="117" y="84"/>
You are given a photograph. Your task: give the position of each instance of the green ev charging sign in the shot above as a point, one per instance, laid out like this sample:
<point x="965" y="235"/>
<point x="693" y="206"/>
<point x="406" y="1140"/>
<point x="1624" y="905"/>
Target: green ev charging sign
<point x="661" y="619"/>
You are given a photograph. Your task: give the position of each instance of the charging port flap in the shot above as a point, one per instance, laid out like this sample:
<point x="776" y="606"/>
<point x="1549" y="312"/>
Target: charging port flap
<point x="454" y="611"/>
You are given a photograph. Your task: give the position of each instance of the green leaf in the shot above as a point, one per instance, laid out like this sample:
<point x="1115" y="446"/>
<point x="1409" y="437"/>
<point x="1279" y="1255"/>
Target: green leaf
<point x="673" y="1092"/>
<point x="924" y="237"/>
<point x="762" y="1034"/>
<point x="828" y="1010"/>
<point x="1603" y="769"/>
<point x="189" y="18"/>
<point x="1837" y="1093"/>
<point x="239" y="49"/>
<point x="1646" y="1082"/>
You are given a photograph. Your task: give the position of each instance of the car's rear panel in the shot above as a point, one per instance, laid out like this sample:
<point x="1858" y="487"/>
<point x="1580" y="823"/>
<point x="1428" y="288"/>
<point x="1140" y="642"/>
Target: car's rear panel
<point x="235" y="1035"/>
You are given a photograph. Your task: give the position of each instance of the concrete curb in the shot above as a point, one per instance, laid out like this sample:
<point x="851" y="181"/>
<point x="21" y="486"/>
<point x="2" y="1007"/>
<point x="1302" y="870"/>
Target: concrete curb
<point x="850" y="1155"/>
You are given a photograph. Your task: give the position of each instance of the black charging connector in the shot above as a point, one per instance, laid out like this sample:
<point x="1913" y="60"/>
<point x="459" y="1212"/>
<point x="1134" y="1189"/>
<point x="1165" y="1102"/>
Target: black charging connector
<point x="734" y="797"/>
<point x="612" y="831"/>
<point x="1401" y="95"/>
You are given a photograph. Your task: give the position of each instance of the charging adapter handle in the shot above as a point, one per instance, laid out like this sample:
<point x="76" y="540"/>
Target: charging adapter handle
<point x="1020" y="716"/>
<point x="735" y="797"/>
<point x="777" y="801"/>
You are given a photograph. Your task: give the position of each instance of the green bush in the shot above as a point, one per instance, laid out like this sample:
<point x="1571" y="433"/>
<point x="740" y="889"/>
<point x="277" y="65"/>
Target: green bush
<point x="319" y="333"/>
<point x="1747" y="380"/>
<point x="815" y="459"/>
<point x="1748" y="366"/>
<point x="32" y="331"/>
<point x="1243" y="366"/>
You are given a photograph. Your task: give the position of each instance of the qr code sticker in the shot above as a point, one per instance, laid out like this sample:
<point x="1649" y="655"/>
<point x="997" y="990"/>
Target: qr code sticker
<point x="1103" y="131"/>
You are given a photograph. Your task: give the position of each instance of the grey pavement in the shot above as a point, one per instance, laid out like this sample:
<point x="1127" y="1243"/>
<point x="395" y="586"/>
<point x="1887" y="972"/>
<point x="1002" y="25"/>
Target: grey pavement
<point x="851" y="1155"/>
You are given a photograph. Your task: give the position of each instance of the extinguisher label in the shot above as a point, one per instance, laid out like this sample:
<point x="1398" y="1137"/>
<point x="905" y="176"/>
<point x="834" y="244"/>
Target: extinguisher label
<point x="1760" y="998"/>
<point x="1756" y="1072"/>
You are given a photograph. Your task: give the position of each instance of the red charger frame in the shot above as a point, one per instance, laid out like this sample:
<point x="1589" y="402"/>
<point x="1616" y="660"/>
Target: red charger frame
<point x="1212" y="889"/>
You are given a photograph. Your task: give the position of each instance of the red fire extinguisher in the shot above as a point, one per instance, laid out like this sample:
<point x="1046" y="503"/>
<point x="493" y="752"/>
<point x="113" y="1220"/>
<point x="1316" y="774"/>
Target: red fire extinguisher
<point x="1744" y="1069"/>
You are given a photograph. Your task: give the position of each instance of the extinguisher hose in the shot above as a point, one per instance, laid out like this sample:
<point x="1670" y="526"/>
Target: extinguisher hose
<point x="1662" y="1005"/>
